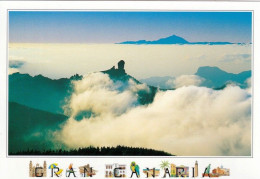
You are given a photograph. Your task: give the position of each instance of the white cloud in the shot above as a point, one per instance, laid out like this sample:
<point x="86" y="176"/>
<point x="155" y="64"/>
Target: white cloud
<point x="97" y="93"/>
<point x="185" y="80"/>
<point x="237" y="58"/>
<point x="249" y="85"/>
<point x="186" y="121"/>
<point x="12" y="70"/>
<point x="16" y="58"/>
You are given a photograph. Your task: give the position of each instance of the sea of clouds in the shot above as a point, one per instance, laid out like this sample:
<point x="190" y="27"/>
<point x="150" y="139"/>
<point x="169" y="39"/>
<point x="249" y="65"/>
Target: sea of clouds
<point x="184" y="80"/>
<point x="142" y="61"/>
<point x="188" y="121"/>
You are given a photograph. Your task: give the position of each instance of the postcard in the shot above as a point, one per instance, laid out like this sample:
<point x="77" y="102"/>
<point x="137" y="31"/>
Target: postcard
<point x="90" y="91"/>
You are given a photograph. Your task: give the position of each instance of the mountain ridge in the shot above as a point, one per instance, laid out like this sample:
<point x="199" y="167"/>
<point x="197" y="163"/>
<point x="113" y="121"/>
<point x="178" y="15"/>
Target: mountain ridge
<point x="120" y="74"/>
<point x="174" y="39"/>
<point x="49" y="94"/>
<point x="27" y="127"/>
<point x="215" y="78"/>
<point x="220" y="77"/>
<point x="40" y="92"/>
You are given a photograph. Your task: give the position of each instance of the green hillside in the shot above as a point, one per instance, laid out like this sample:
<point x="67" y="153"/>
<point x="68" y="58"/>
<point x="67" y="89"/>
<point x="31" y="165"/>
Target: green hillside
<point x="40" y="92"/>
<point x="30" y="128"/>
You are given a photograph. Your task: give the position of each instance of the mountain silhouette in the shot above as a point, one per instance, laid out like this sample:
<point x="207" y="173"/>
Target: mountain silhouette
<point x="31" y="133"/>
<point x="174" y="39"/>
<point x="30" y="128"/>
<point x="119" y="74"/>
<point x="40" y="92"/>
<point x="168" y="40"/>
<point x="216" y="78"/>
<point x="46" y="94"/>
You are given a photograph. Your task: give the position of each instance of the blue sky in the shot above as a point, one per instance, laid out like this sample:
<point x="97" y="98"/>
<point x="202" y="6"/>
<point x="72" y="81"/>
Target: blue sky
<point x="112" y="27"/>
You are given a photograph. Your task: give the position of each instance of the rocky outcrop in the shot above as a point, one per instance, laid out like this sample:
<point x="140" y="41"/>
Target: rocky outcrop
<point x="118" y="72"/>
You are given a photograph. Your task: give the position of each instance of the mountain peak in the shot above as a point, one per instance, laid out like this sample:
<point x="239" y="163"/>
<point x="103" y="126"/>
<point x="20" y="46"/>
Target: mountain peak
<point x="209" y="69"/>
<point x="121" y="65"/>
<point x="174" y="39"/>
<point x="216" y="77"/>
<point x="117" y="72"/>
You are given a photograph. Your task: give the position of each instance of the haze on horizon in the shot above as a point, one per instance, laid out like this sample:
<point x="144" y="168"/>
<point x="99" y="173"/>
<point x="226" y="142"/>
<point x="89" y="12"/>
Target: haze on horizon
<point x="142" y="61"/>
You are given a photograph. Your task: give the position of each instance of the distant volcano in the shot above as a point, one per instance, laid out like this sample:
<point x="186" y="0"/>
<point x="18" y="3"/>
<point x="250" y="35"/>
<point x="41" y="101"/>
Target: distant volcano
<point x="174" y="39"/>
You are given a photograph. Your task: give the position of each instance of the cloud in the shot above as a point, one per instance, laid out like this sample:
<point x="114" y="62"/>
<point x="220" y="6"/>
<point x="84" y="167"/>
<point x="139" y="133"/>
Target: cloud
<point x="187" y="121"/>
<point x="16" y="63"/>
<point x="15" y="58"/>
<point x="237" y="58"/>
<point x="12" y="70"/>
<point x="97" y="93"/>
<point x="185" y="80"/>
<point x="249" y="85"/>
<point x="248" y="82"/>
